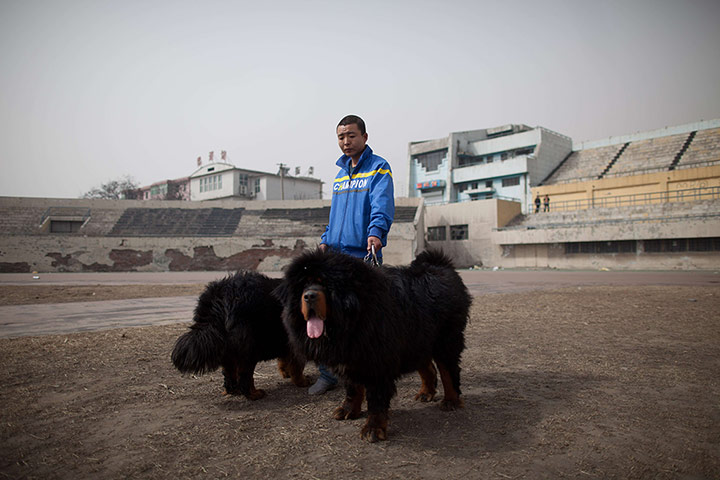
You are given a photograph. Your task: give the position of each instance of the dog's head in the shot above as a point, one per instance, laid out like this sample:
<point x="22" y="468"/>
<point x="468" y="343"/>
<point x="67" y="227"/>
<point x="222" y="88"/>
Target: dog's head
<point x="320" y="292"/>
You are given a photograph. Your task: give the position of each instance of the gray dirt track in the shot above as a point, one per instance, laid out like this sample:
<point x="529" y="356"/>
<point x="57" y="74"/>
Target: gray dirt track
<point x="22" y="320"/>
<point x="606" y="375"/>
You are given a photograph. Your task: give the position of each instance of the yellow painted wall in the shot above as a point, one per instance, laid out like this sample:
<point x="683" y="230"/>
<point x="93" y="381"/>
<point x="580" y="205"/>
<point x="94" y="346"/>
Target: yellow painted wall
<point x="669" y="181"/>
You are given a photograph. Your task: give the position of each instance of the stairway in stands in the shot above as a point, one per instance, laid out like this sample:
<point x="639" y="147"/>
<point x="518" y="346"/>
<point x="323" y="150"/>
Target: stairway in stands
<point x="682" y="151"/>
<point x="614" y="159"/>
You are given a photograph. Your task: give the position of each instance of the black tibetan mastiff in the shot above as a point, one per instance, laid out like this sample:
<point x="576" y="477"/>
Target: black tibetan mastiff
<point x="372" y="325"/>
<point x="237" y="323"/>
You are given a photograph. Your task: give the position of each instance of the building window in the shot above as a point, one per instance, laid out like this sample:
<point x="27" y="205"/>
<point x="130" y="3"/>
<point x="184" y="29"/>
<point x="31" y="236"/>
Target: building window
<point x="488" y="183"/>
<point x="431" y="161"/>
<point x="257" y="185"/>
<point x="436" y="234"/>
<point x="65" y="226"/>
<point x="666" y="245"/>
<point x="243" y="182"/>
<point x="504" y="156"/>
<point x="510" y="181"/>
<point x="621" y="246"/>
<point x="703" y="244"/>
<point x="524" y="151"/>
<point x="673" y="245"/>
<point x="212" y="182"/>
<point x="458" y="232"/>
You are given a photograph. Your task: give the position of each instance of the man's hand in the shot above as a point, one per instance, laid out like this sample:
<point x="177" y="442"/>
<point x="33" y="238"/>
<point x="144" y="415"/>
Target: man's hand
<point x="374" y="241"/>
<point x="322" y="247"/>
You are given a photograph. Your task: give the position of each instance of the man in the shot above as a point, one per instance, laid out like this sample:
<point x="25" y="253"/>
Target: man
<point x="362" y="206"/>
<point x="363" y="203"/>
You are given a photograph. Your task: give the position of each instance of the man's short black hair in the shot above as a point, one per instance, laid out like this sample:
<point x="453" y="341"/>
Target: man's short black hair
<point x="353" y="119"/>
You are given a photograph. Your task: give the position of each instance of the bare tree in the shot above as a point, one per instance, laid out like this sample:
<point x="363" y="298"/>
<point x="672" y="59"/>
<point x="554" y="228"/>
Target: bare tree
<point x="125" y="187"/>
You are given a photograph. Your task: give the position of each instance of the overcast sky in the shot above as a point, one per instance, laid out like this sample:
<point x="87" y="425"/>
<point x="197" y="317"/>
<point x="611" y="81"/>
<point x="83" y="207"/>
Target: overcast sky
<point x="93" y="90"/>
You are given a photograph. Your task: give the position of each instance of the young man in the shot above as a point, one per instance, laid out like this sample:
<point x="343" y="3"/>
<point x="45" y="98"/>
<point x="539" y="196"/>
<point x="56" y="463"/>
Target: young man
<point x="362" y="206"/>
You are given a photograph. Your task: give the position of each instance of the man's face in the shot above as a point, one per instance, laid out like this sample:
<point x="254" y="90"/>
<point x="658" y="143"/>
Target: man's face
<point x="351" y="141"/>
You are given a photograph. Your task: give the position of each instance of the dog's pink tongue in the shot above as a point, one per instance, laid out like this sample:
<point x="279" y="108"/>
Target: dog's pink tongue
<point x="315" y="327"/>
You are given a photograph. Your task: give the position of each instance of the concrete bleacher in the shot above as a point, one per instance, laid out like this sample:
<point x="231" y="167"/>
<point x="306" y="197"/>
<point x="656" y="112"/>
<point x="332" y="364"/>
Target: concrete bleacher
<point x="584" y="165"/>
<point x="200" y="222"/>
<point x="647" y="156"/>
<point x="20" y="220"/>
<point x="703" y="150"/>
<point x="287" y="222"/>
<point x="305" y="215"/>
<point x="704" y="209"/>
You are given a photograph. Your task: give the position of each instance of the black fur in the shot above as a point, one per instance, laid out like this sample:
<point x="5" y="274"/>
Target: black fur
<point x="381" y="323"/>
<point x="237" y="323"/>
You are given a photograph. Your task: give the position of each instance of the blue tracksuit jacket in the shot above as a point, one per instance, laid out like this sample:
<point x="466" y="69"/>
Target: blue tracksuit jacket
<point x="362" y="205"/>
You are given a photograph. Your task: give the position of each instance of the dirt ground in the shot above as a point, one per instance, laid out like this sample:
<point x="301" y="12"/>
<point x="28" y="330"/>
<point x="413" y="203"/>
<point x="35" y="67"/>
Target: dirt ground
<point x="582" y="382"/>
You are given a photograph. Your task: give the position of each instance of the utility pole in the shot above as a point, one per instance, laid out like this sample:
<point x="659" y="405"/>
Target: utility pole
<point x="282" y="180"/>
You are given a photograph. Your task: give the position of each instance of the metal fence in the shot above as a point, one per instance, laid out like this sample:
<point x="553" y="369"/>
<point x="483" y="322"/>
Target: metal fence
<point x="685" y="195"/>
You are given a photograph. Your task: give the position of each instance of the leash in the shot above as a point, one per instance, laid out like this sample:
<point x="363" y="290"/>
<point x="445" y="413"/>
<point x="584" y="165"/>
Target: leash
<point x="371" y="257"/>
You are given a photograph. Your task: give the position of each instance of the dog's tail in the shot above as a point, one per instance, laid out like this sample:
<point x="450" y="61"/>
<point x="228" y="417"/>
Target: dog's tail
<point x="200" y="350"/>
<point x="433" y="257"/>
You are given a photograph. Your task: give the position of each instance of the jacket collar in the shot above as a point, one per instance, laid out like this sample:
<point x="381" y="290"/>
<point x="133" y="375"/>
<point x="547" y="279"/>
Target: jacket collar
<point x="345" y="162"/>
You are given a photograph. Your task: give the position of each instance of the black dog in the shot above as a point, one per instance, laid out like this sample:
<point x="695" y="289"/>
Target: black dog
<point x="372" y="325"/>
<point x="237" y="323"/>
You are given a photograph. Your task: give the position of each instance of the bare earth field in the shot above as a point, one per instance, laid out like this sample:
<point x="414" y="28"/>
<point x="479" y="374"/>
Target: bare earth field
<point x="580" y="382"/>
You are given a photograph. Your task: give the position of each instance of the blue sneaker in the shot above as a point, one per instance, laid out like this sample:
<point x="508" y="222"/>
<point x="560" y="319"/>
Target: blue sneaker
<point x="321" y="386"/>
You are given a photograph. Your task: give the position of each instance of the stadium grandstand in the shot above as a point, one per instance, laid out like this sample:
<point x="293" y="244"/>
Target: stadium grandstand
<point x="649" y="200"/>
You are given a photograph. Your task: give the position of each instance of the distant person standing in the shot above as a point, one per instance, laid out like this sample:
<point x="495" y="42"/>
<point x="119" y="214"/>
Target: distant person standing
<point x="362" y="207"/>
<point x="537" y="203"/>
<point x="546" y="203"/>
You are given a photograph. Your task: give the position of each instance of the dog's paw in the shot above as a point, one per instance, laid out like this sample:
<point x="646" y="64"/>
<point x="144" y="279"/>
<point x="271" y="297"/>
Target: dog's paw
<point x="373" y="434"/>
<point x="425" y="397"/>
<point x="303" y="381"/>
<point x="375" y="429"/>
<point x="256" y="394"/>
<point x="451" y="405"/>
<point x="344" y="412"/>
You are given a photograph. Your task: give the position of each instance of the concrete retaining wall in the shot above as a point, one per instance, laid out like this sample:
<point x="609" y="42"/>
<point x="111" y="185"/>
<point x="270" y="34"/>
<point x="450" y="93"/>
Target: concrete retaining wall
<point x="258" y="243"/>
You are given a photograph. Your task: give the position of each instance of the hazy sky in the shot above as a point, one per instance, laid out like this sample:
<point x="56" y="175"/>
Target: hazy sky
<point x="93" y="90"/>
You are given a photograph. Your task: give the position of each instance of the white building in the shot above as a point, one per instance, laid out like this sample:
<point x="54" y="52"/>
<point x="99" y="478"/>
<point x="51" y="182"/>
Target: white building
<point x="220" y="180"/>
<point x="502" y="162"/>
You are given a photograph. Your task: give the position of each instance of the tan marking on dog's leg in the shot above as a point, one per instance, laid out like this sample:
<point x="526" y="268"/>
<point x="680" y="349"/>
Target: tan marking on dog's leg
<point x="428" y="375"/>
<point x="284" y="366"/>
<point x="255" y="393"/>
<point x="452" y="400"/>
<point x="295" y="369"/>
<point x="351" y="407"/>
